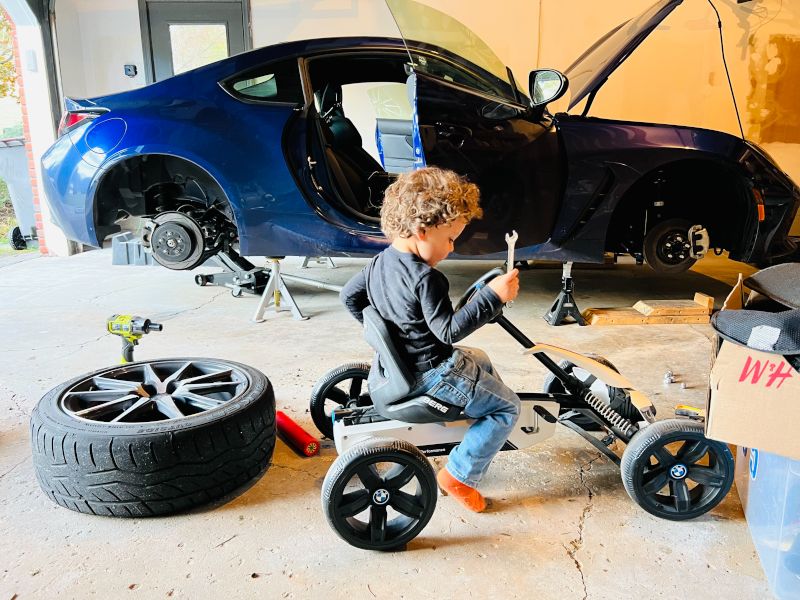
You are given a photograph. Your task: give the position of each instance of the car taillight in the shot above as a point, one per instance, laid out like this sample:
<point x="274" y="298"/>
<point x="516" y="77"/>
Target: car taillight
<point x="69" y="120"/>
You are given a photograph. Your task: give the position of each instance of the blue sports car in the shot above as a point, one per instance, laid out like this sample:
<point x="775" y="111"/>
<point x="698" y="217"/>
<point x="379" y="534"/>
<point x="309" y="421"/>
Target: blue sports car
<point x="287" y="150"/>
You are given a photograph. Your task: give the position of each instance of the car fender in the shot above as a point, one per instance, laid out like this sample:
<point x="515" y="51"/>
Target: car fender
<point x="613" y="156"/>
<point x="159" y="149"/>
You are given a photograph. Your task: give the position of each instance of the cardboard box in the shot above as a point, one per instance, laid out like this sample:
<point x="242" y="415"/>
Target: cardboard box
<point x="754" y="397"/>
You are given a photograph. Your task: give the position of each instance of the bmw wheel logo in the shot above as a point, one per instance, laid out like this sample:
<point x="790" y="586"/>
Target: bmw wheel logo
<point x="380" y="497"/>
<point x="678" y="471"/>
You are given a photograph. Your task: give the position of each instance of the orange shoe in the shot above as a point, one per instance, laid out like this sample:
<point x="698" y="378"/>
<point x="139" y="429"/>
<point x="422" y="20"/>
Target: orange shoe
<point x="467" y="496"/>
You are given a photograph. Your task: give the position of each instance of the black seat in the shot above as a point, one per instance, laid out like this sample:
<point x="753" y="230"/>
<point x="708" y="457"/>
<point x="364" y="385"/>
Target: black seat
<point x="390" y="381"/>
<point x="359" y="177"/>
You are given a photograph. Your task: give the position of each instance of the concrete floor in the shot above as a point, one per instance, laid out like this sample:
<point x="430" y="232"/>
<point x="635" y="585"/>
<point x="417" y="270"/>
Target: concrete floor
<point x="563" y="526"/>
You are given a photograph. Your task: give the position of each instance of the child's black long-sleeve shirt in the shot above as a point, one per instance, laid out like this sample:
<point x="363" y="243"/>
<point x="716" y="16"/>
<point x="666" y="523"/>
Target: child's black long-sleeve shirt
<point x="414" y="297"/>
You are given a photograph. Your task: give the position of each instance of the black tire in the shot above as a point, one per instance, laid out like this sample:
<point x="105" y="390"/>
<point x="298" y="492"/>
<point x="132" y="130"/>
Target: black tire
<point x="328" y="393"/>
<point x="16" y="239"/>
<point x="619" y="401"/>
<point x="378" y="492"/>
<point x="666" y="247"/>
<point x="154" y="467"/>
<point x="681" y="453"/>
<point x="201" y="280"/>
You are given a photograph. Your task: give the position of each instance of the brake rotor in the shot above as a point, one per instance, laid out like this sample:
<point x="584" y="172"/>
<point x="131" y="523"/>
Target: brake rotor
<point x="177" y="241"/>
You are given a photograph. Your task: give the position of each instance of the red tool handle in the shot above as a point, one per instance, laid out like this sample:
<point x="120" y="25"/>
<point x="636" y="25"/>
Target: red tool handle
<point x="295" y="435"/>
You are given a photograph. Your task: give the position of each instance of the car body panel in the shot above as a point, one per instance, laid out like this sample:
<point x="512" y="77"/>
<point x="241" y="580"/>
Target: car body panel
<point x="556" y="180"/>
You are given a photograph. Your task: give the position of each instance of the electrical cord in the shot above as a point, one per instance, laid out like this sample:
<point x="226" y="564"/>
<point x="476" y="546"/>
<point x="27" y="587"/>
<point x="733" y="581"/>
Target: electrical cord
<point x="727" y="73"/>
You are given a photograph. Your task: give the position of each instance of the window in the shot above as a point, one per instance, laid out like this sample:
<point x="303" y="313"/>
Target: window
<point x="275" y="82"/>
<point x="449" y="72"/>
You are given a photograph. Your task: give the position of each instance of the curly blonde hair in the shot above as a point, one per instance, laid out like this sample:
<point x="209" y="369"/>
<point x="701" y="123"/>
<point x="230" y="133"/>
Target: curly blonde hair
<point x="426" y="198"/>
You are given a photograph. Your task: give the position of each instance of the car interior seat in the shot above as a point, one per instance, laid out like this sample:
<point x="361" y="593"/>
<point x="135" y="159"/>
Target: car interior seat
<point x="359" y="177"/>
<point x="390" y="381"/>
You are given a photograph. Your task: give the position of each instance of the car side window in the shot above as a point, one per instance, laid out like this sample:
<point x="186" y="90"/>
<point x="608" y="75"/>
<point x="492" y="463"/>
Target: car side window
<point x="275" y="82"/>
<point x="450" y="72"/>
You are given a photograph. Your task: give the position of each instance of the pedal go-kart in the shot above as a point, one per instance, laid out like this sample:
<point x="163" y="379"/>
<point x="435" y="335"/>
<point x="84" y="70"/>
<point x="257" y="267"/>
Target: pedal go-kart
<point x="381" y="491"/>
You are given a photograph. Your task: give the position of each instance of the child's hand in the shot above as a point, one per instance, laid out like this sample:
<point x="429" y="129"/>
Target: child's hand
<point x="506" y="286"/>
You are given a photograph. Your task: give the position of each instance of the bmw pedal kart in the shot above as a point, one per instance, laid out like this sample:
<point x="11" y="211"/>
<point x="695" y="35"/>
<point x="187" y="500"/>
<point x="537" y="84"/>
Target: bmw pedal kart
<point x="381" y="491"/>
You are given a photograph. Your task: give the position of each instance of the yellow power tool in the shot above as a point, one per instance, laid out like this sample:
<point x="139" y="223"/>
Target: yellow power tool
<point x="131" y="329"/>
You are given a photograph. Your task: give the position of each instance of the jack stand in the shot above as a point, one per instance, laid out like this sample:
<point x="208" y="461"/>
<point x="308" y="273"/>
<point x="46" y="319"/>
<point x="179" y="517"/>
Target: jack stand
<point x="240" y="274"/>
<point x="274" y="291"/>
<point x="320" y="260"/>
<point x="564" y="306"/>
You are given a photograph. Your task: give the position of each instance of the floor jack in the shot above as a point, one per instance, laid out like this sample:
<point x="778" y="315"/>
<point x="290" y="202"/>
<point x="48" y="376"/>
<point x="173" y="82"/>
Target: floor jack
<point x="564" y="305"/>
<point x="238" y="273"/>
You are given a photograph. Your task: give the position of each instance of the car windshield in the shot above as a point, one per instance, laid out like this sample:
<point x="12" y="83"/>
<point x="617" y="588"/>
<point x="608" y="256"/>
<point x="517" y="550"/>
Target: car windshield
<point x="418" y="22"/>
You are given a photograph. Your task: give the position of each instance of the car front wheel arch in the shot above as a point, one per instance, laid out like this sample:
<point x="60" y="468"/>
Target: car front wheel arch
<point x="701" y="192"/>
<point x="146" y="185"/>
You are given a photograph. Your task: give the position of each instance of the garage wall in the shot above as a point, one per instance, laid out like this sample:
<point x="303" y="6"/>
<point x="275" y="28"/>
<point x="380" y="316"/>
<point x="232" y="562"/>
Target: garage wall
<point x="95" y="39"/>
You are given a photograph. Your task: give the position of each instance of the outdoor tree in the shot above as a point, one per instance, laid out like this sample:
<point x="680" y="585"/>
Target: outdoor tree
<point x="8" y="72"/>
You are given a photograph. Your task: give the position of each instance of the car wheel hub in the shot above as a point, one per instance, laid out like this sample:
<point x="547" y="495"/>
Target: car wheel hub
<point x="156" y="391"/>
<point x="678" y="471"/>
<point x="675" y="248"/>
<point x="381" y="497"/>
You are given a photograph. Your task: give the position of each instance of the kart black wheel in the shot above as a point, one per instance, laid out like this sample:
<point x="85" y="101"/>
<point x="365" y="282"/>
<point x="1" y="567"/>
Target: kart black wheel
<point x="344" y="386"/>
<point x="666" y="247"/>
<point x="17" y="240"/>
<point x="673" y="471"/>
<point x="153" y="437"/>
<point x="616" y="398"/>
<point x="379" y="494"/>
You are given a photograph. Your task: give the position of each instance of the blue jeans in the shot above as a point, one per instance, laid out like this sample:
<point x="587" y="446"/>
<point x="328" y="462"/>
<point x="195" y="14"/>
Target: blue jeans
<point x="468" y="379"/>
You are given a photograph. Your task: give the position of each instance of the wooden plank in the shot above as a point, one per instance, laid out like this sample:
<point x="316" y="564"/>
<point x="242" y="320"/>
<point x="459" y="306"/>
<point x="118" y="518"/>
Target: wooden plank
<point x="673" y="307"/>
<point x="705" y="300"/>
<point x="631" y="316"/>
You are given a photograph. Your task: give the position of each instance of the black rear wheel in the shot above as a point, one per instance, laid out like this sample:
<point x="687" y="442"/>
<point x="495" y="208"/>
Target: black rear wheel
<point x="342" y="387"/>
<point x="673" y="471"/>
<point x="380" y="494"/>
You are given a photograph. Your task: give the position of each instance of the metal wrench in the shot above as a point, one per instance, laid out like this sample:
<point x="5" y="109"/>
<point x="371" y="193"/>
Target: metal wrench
<point x="511" y="240"/>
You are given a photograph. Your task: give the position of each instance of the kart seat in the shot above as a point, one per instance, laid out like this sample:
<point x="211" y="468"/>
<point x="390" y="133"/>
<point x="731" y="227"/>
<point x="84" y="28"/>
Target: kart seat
<point x="390" y="381"/>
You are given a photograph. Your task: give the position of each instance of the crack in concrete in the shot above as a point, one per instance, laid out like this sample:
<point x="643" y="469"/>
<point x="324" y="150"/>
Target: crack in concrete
<point x="274" y="466"/>
<point x="169" y="316"/>
<point x="14" y="467"/>
<point x="79" y="345"/>
<point x="226" y="541"/>
<point x="576" y="544"/>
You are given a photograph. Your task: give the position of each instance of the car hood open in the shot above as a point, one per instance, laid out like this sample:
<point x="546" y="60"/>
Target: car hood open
<point x="591" y="70"/>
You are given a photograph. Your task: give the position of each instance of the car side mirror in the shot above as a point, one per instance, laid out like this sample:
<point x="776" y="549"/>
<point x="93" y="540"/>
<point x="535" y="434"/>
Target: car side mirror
<point x="546" y="85"/>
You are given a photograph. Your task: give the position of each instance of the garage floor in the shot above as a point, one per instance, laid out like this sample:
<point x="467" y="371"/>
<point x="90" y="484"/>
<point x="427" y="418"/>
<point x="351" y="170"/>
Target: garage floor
<point x="563" y="526"/>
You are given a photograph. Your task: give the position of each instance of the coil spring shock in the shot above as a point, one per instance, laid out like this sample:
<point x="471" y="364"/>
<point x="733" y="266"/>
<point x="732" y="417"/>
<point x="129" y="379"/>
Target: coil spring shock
<point x="617" y="421"/>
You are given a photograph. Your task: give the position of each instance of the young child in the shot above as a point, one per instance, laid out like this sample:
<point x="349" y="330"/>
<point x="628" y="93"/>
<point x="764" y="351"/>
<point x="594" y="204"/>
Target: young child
<point x="423" y="213"/>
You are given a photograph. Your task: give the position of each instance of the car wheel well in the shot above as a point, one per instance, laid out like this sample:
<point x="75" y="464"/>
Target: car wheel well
<point x="716" y="198"/>
<point x="143" y="186"/>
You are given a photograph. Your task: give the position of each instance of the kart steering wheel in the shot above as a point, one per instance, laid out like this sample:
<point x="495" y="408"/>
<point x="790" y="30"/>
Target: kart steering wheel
<point x="476" y="287"/>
